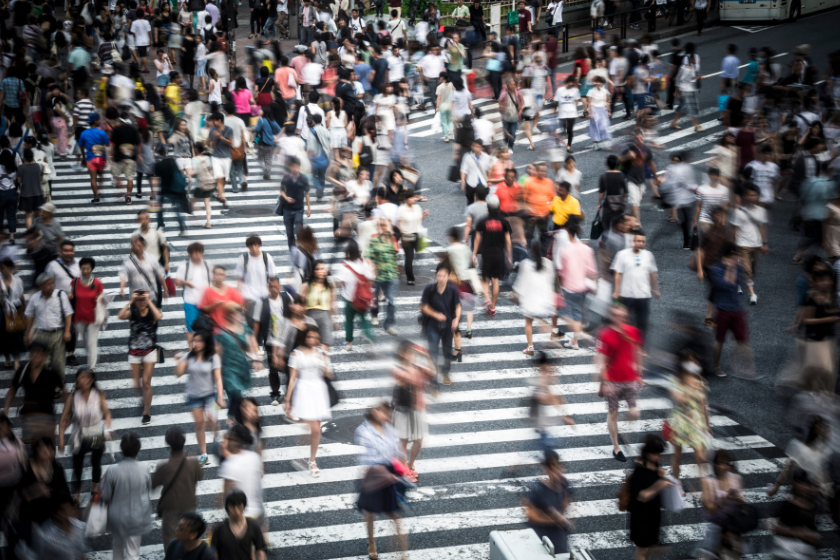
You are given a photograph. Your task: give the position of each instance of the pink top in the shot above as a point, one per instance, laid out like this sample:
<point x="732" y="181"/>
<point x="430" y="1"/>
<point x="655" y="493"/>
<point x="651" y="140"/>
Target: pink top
<point x="578" y="262"/>
<point x="242" y="100"/>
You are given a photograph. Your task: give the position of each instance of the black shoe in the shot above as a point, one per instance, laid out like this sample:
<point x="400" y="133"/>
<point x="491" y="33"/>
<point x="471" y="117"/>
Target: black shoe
<point x="619" y="456"/>
<point x="11" y="241"/>
<point x="147" y="419"/>
<point x="72" y="361"/>
<point x="95" y="201"/>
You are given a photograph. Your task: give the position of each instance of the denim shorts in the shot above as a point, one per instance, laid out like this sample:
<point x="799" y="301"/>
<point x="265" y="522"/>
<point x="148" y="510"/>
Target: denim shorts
<point x="574" y="305"/>
<point x="200" y="402"/>
<point x="163" y="80"/>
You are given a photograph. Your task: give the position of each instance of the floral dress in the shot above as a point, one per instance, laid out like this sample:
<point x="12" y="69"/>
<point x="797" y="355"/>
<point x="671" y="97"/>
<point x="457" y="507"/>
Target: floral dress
<point x="688" y="420"/>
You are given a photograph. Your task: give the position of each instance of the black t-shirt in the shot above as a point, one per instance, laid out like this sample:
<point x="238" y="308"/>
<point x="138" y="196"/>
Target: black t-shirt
<point x="231" y="548"/>
<point x="42" y="508"/>
<point x="380" y="66"/>
<point x="634" y="168"/>
<point x="125" y="139"/>
<point x="296" y="189"/>
<point x="175" y="551"/>
<point x="445" y="303"/>
<point x="736" y="113"/>
<point x="793" y="516"/>
<point x="493" y="238"/>
<point x="544" y="498"/>
<point x="612" y="184"/>
<point x="142" y="336"/>
<point x="38" y="395"/>
<point x="21" y="10"/>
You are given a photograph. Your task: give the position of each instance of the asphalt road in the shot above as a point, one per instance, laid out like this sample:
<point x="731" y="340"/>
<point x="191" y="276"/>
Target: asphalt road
<point x="756" y="404"/>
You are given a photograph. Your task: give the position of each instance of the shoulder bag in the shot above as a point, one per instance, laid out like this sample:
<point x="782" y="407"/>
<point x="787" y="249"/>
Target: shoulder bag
<point x="169" y="485"/>
<point x="238" y="153"/>
<point x="14" y="323"/>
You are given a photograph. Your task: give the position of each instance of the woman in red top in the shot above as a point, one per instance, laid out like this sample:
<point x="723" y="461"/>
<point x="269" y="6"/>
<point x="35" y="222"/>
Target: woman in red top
<point x="85" y="293"/>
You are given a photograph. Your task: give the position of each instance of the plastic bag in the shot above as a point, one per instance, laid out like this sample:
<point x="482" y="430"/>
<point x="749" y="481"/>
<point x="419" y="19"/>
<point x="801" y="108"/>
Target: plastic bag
<point x="672" y="499"/>
<point x="436" y="126"/>
<point x="97" y="522"/>
<point x="422" y="243"/>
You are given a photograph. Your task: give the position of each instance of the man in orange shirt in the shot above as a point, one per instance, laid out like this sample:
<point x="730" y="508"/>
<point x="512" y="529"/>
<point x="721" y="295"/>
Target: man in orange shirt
<point x="538" y="192"/>
<point x="510" y="201"/>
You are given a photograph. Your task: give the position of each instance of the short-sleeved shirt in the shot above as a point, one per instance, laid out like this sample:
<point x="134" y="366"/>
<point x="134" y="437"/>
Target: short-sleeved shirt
<point x="30" y="179"/>
<point x="199" y="275"/>
<point x="634" y="169"/>
<point x="635" y="269"/>
<point x="229" y="547"/>
<point x="382" y="252"/>
<point x="620" y="353"/>
<point x="567" y="100"/>
<point x="221" y="149"/>
<point x="78" y="58"/>
<point x="562" y="209"/>
<point x="524" y="20"/>
<point x="296" y="189"/>
<point x="49" y="313"/>
<point x="95" y="142"/>
<point x="211" y="296"/>
<point x="12" y="86"/>
<point x="494" y="232"/>
<point x="749" y="222"/>
<point x="200" y="381"/>
<point x="175" y="551"/>
<point x="125" y="139"/>
<point x="142" y="336"/>
<point x="244" y="470"/>
<point x="142" y="29"/>
<point x="38" y="395"/>
<point x="710" y="198"/>
<point x="446" y="303"/>
<point x="538" y="195"/>
<point x="544" y="498"/>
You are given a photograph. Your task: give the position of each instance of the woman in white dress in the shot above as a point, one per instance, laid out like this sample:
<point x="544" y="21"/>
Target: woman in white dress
<point x="599" y="112"/>
<point x="337" y="125"/>
<point x="534" y="289"/>
<point x="308" y="397"/>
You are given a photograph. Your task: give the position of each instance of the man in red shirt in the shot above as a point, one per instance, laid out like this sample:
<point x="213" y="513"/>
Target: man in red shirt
<point x="219" y="297"/>
<point x="525" y="26"/>
<point x="620" y="372"/>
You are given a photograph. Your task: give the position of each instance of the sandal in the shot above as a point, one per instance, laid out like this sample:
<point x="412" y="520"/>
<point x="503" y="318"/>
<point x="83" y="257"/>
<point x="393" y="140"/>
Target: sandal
<point x="314" y="470"/>
<point x="372" y="551"/>
<point x="530" y="148"/>
<point x="206" y="226"/>
<point x="529" y="351"/>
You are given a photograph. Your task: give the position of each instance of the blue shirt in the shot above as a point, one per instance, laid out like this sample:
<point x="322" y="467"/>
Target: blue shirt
<point x="266" y="130"/>
<point x="726" y="295"/>
<point x="363" y="71"/>
<point x="730" y="67"/>
<point x="95" y="142"/>
<point x="814" y="194"/>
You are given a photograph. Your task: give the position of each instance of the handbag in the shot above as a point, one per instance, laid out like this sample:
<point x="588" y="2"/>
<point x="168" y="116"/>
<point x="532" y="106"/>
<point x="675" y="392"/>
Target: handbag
<point x="238" y="153"/>
<point x="334" y="398"/>
<point x="454" y="173"/>
<point x="170" y="286"/>
<point x="597" y="228"/>
<point x="202" y="323"/>
<point x="15" y="323"/>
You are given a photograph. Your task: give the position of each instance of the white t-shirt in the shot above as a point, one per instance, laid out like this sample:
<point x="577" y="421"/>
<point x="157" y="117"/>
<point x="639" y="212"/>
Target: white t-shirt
<point x="484" y="131"/>
<point x="567" y="100"/>
<point x="142" y="30"/>
<point x="361" y="191"/>
<point x="255" y="279"/>
<point x="396" y="69"/>
<point x="245" y="471"/>
<point x="200" y="275"/>
<point x="431" y="65"/>
<point x="575" y="178"/>
<point x="709" y="198"/>
<point x="764" y="177"/>
<point x="635" y="269"/>
<point x="748" y="220"/>
<point x="597" y="97"/>
<point x="311" y="73"/>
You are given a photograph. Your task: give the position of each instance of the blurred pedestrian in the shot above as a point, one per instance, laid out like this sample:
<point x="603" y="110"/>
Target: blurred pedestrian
<point x="548" y="503"/>
<point x="411" y="376"/>
<point x="534" y="289"/>
<point x="188" y="543"/>
<point x="355" y="276"/>
<point x="41" y="385"/>
<point x="242" y="469"/>
<point x="689" y="420"/>
<point x="178" y="476"/>
<point x="238" y="351"/>
<point x="143" y="352"/>
<point x="646" y="484"/>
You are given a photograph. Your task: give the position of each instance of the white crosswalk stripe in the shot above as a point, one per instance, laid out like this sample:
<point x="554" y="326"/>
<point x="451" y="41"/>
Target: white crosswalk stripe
<point x="482" y="453"/>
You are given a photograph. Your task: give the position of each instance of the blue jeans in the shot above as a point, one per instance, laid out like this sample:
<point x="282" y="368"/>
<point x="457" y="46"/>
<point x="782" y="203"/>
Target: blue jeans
<point x="8" y="208"/>
<point x="237" y="175"/>
<point x="293" y="219"/>
<point x="305" y="35"/>
<point x="319" y="177"/>
<point x="269" y="29"/>
<point x="389" y="288"/>
<point x="437" y="339"/>
<point x="510" y="128"/>
<point x="178" y="202"/>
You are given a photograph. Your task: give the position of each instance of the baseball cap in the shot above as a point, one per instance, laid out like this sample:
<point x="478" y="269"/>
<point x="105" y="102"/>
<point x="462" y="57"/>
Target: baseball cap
<point x="93" y="117"/>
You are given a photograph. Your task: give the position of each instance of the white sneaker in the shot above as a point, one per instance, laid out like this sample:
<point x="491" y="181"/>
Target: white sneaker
<point x="536" y="130"/>
<point x="753" y="299"/>
<point x="348" y="347"/>
<point x="275" y="402"/>
<point x="374" y="321"/>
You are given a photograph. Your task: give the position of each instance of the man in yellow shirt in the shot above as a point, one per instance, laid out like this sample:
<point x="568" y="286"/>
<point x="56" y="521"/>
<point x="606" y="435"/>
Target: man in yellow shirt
<point x="564" y="205"/>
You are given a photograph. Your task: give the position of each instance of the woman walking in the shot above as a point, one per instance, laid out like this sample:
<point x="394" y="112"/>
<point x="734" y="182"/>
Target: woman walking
<point x="819" y="318"/>
<point x="353" y="273"/>
<point x="577" y="274"/>
<point x="243" y="100"/>
<point x="411" y="376"/>
<point x="12" y="304"/>
<point x="337" y="121"/>
<point x="534" y="290"/>
<point x="203" y="388"/>
<point x="645" y="486"/>
<point x="184" y="149"/>
<point x="378" y="440"/>
<point x="320" y="295"/>
<point x="688" y="79"/>
<point x="689" y="420"/>
<point x="44" y="478"/>
<point x="720" y="489"/>
<point x="143" y="316"/>
<point x="236" y="345"/>
<point x="547" y="504"/>
<point x="86" y="295"/>
<point x="598" y="106"/>
<point x="308" y="397"/>
<point x="530" y="111"/>
<point x="8" y="191"/>
<point x="87" y="411"/>
<point x="411" y="218"/>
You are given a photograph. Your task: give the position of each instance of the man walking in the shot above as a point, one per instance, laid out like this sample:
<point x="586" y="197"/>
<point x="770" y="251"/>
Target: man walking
<point x="636" y="281"/>
<point x="253" y="271"/>
<point x="126" y="488"/>
<point x="221" y="139"/>
<point x="66" y="269"/>
<point x="49" y="320"/>
<point x="750" y="223"/>
<point x="441" y="308"/>
<point x="193" y="276"/>
<point x="294" y="189"/>
<point x="638" y="159"/>
<point x="382" y="251"/>
<point x="94" y="143"/>
<point x="178" y="476"/>
<point x="619" y="370"/>
<point x="727" y="277"/>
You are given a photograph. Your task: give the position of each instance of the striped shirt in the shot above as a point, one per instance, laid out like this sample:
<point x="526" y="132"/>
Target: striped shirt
<point x="81" y="110"/>
<point x="30" y="36"/>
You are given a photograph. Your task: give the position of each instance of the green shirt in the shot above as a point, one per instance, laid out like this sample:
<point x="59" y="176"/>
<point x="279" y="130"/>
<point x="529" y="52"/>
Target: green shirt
<point x="461" y="12"/>
<point x="236" y="366"/>
<point x="382" y="252"/>
<point x="79" y="58"/>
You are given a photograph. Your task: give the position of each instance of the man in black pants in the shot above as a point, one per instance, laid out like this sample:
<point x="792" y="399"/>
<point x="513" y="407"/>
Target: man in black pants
<point x="567" y="99"/>
<point x="258" y="10"/>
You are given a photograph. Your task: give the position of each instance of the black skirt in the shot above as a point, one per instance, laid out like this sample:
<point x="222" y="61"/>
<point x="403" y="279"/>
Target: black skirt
<point x="379" y="501"/>
<point x="31" y="203"/>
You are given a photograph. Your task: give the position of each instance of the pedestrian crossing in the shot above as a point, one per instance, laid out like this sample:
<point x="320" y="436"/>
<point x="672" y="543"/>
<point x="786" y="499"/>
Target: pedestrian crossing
<point x="482" y="453"/>
<point x="421" y="126"/>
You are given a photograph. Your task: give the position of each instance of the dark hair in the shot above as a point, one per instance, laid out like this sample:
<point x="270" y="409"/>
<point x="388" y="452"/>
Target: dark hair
<point x="443" y="266"/>
<point x="130" y="445"/>
<point x="537" y="253"/>
<point x="253" y="240"/>
<point x="241" y="435"/>
<point x="235" y="497"/>
<point x="550" y="458"/>
<point x="313" y="279"/>
<point x="27" y="154"/>
<point x="728" y="249"/>
<point x="195" y="523"/>
<point x="175" y="438"/>
<point x="454" y="232"/>
<point x="653" y="445"/>
<point x="612" y="162"/>
<point x="209" y="346"/>
<point x="351" y="251"/>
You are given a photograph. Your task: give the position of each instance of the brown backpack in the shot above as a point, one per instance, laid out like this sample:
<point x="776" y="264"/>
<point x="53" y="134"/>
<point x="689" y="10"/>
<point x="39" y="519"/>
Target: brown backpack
<point x="624" y="494"/>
